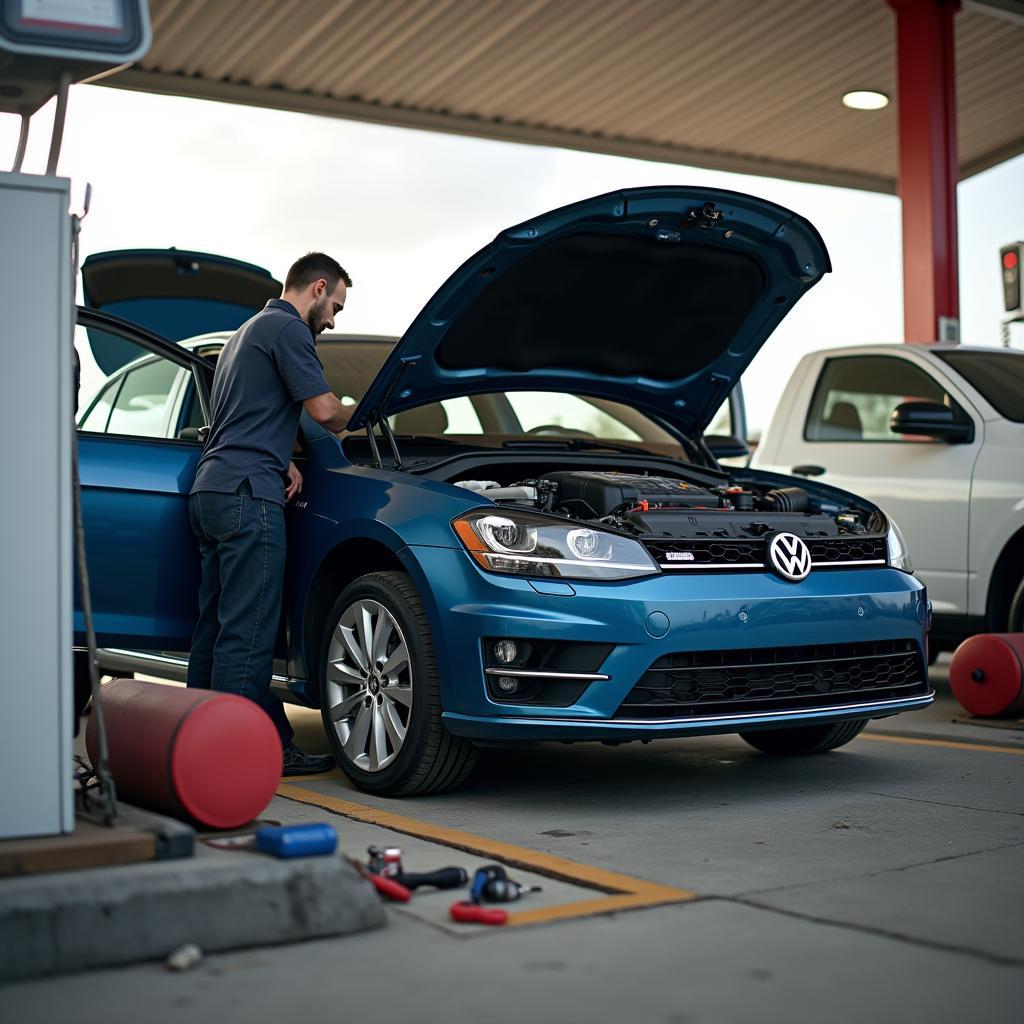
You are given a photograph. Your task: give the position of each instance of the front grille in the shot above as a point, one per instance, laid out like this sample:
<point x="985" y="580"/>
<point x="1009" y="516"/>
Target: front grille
<point x="729" y="554"/>
<point x="770" y="679"/>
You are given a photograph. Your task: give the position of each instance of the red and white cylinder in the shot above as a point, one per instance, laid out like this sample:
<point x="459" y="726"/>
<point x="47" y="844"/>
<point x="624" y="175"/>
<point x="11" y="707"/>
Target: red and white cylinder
<point x="987" y="674"/>
<point x="210" y="758"/>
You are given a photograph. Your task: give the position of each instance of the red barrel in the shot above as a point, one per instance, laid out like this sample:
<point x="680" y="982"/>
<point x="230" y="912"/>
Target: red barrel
<point x="987" y="674"/>
<point x="213" y="758"/>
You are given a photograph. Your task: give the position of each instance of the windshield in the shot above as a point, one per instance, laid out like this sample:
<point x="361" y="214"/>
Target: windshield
<point x="350" y="367"/>
<point x="999" y="376"/>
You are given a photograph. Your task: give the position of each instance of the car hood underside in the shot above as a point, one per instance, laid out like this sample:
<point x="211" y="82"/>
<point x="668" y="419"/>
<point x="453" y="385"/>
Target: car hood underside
<point x="657" y="297"/>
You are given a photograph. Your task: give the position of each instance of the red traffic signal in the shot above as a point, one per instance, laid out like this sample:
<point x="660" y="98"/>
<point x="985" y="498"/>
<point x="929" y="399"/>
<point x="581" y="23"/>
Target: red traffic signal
<point x="1009" y="258"/>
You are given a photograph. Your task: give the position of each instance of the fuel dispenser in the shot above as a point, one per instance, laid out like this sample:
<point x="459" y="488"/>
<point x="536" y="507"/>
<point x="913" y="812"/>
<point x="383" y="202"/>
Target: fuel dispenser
<point x="45" y="46"/>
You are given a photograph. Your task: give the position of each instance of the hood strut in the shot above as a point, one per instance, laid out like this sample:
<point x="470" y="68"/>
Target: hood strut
<point x="377" y="417"/>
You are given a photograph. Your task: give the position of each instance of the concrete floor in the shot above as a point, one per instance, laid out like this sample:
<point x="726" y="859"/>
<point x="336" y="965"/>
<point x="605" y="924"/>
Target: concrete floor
<point x="884" y="881"/>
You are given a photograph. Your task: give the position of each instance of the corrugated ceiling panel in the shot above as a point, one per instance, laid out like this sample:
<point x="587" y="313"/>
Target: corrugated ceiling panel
<point x="732" y="83"/>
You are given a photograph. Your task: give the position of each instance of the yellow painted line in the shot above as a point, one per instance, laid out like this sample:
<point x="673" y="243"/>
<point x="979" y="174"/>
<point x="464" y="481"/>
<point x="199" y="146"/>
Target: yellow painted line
<point x="626" y="892"/>
<point x="334" y="773"/>
<point x="948" y="744"/>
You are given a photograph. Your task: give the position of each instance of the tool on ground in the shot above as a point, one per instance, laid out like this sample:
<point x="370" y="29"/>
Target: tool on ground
<point x="383" y="863"/>
<point x="466" y="912"/>
<point x="488" y="873"/>
<point x="491" y="884"/>
<point x="504" y="890"/>
<point x="312" y="840"/>
<point x="443" y="878"/>
<point x="387" y="862"/>
<point x="385" y="886"/>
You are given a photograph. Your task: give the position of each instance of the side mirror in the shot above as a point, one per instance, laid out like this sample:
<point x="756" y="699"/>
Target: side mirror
<point x="726" y="447"/>
<point x="194" y="434"/>
<point x="931" y="419"/>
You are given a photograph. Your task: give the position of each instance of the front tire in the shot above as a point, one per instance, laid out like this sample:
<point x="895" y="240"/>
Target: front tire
<point x="379" y="695"/>
<point x="805" y="739"/>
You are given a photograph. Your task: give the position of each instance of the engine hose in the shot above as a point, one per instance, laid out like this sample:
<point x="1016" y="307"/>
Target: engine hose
<point x="787" y="499"/>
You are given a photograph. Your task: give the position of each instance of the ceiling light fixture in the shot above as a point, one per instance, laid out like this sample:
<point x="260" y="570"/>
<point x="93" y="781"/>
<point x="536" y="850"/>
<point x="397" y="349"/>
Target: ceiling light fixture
<point x="865" y="99"/>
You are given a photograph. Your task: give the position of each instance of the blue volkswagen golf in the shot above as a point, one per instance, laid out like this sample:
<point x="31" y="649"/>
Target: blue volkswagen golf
<point x="526" y="534"/>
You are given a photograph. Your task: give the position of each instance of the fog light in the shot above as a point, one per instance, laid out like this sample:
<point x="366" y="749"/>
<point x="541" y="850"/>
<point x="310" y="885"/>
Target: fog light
<point x="507" y="684"/>
<point x="506" y="651"/>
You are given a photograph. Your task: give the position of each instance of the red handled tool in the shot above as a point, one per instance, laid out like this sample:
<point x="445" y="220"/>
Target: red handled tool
<point x="385" y="886"/>
<point x="466" y="912"/>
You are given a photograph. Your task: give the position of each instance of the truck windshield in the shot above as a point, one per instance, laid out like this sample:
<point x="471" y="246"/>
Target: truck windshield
<point x="999" y="376"/>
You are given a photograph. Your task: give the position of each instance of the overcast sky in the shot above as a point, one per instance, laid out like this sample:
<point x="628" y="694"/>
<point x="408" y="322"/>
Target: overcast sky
<point x="401" y="209"/>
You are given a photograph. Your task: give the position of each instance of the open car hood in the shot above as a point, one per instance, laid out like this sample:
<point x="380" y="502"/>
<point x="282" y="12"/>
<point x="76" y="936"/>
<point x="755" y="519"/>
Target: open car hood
<point x="173" y="292"/>
<point x="655" y="297"/>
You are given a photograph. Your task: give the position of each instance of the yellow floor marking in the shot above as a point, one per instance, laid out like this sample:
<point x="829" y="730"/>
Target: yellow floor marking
<point x="626" y="892"/>
<point x="948" y="744"/>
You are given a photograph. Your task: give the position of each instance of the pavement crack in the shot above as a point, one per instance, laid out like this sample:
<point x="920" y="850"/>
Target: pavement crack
<point x="872" y="874"/>
<point x="885" y="933"/>
<point x="943" y="803"/>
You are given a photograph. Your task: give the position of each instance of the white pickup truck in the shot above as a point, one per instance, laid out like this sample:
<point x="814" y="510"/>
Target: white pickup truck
<point x="935" y="436"/>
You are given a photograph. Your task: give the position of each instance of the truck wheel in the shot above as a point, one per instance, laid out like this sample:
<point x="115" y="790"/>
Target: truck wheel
<point x="805" y="739"/>
<point x="379" y="694"/>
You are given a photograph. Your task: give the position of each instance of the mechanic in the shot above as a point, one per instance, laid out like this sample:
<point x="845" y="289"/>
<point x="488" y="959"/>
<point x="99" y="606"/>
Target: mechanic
<point x="266" y="373"/>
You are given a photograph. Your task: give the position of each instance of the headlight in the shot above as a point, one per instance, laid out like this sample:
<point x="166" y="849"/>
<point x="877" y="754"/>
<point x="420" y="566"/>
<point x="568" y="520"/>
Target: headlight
<point x="896" y="548"/>
<point x="524" y="544"/>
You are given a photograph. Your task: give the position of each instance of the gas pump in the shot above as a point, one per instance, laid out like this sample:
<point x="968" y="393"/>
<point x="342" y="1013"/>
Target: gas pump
<point x="45" y="46"/>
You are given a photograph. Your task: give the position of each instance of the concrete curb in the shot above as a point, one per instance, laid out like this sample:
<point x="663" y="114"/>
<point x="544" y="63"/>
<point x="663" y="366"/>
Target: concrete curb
<point x="70" y="921"/>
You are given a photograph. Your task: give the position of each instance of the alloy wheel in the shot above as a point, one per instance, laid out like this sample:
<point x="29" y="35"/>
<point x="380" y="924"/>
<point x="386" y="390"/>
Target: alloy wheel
<point x="369" y="685"/>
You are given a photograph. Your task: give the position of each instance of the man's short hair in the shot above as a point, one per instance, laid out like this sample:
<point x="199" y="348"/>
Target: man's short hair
<point x="312" y="267"/>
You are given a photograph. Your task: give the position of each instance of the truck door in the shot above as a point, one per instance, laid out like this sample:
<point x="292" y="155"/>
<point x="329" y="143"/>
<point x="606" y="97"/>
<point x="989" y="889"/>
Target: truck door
<point x="843" y="438"/>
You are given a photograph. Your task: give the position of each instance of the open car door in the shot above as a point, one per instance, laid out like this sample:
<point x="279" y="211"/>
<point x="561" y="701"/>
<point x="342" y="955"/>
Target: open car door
<point x="137" y="462"/>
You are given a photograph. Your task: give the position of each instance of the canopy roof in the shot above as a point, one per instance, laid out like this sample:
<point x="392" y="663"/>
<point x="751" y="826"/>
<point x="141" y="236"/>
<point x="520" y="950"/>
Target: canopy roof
<point x="730" y="84"/>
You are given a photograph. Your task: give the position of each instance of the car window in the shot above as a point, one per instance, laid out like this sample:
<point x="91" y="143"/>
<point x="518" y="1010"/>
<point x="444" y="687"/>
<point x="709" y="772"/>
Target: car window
<point x="856" y="395"/>
<point x="449" y="416"/>
<point x="95" y="420"/>
<point x="143" y="403"/>
<point x="549" y="413"/>
<point x="999" y="376"/>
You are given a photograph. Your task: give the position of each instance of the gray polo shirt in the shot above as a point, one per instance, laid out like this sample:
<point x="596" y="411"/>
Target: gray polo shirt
<point x="268" y="368"/>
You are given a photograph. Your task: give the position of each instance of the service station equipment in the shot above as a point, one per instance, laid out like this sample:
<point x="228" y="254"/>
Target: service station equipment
<point x="45" y="45"/>
<point x="1013" y="295"/>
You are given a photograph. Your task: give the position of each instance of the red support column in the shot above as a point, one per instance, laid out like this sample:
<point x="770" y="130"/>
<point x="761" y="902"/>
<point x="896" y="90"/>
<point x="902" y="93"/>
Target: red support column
<point x="928" y="167"/>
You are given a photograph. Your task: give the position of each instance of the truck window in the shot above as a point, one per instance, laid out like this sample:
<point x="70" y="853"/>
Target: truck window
<point x="855" y="397"/>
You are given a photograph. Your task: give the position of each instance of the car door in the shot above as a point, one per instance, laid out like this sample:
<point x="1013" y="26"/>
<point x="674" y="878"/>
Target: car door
<point x="924" y="483"/>
<point x="136" y="474"/>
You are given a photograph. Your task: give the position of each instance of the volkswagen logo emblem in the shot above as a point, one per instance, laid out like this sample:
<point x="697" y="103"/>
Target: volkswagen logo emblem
<point x="789" y="557"/>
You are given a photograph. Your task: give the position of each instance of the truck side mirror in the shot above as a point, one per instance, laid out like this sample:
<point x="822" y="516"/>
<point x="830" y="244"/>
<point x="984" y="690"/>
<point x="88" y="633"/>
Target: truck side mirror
<point x="931" y="419"/>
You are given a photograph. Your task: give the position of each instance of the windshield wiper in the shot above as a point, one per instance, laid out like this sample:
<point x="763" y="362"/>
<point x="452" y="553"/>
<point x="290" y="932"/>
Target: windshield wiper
<point x="580" y="444"/>
<point x="586" y="444"/>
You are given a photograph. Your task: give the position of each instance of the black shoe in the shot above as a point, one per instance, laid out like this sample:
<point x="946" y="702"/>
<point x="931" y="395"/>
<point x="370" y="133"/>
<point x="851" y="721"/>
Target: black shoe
<point x="298" y="762"/>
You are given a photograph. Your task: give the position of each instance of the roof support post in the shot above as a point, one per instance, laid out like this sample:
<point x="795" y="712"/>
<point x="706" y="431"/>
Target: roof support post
<point x="928" y="167"/>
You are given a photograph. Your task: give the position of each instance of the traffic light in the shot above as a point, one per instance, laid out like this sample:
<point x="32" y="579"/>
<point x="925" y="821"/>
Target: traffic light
<point x="1009" y="262"/>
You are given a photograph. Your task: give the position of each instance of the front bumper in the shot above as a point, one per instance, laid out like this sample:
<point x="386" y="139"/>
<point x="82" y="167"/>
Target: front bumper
<point x="647" y="619"/>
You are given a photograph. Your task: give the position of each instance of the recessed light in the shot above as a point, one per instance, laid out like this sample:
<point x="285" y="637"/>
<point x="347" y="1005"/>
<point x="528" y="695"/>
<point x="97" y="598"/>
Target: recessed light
<point x="865" y="99"/>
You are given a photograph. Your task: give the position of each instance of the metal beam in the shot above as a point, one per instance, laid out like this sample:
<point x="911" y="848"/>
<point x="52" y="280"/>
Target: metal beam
<point x="926" y="83"/>
<point x="406" y="117"/>
<point x="1008" y="10"/>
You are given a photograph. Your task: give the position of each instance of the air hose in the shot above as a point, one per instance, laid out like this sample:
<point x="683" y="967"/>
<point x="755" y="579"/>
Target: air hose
<point x="101" y="766"/>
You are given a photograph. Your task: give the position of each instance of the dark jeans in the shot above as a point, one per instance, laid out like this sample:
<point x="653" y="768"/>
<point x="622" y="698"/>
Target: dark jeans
<point x="242" y="544"/>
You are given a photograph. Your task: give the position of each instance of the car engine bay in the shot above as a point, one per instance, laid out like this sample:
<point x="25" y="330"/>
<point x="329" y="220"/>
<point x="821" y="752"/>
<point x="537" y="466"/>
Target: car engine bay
<point x="652" y="507"/>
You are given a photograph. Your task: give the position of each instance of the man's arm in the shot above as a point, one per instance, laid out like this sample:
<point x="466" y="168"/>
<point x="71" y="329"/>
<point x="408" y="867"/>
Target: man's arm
<point x="328" y="412"/>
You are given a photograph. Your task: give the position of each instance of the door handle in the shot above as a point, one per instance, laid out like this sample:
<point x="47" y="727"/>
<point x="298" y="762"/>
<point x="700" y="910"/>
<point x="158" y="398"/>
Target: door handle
<point x="808" y="470"/>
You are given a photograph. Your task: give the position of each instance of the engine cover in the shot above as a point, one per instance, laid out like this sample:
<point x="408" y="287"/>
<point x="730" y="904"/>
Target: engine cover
<point x="592" y="494"/>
